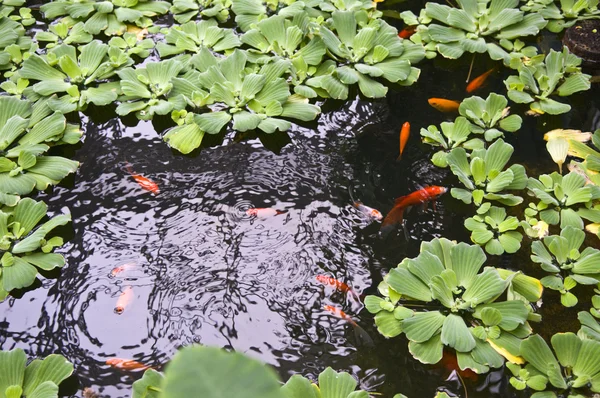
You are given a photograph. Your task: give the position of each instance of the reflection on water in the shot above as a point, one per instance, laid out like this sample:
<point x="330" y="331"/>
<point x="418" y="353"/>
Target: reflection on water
<point x="198" y="269"/>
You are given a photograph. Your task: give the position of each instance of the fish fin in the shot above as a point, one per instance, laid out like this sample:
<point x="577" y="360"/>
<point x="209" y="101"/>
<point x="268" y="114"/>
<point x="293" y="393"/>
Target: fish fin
<point x="351" y="196"/>
<point x="362" y="337"/>
<point x="399" y="158"/>
<point x="400" y="199"/>
<point x="278" y="212"/>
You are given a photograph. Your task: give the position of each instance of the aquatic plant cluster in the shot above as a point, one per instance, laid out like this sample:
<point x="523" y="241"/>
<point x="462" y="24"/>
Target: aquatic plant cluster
<point x="272" y="69"/>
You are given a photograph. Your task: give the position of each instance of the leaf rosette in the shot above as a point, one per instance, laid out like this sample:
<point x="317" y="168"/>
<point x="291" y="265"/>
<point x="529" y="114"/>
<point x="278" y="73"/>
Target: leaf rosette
<point x="64" y="32"/>
<point x="39" y="378"/>
<point x="26" y="134"/>
<point x="191" y="37"/>
<point x="484" y="175"/>
<point x="15" y="44"/>
<point x="475" y="26"/>
<point x="74" y="77"/>
<point x="489" y="117"/>
<point x="494" y="230"/>
<point x="252" y="97"/>
<point x="185" y="10"/>
<point x="571" y="370"/>
<point x="563" y="14"/>
<point x="24" y="248"/>
<point x="364" y="50"/>
<point x="110" y="17"/>
<point x="458" y="307"/>
<point x="561" y="256"/>
<point x="563" y="200"/>
<point x="558" y="74"/>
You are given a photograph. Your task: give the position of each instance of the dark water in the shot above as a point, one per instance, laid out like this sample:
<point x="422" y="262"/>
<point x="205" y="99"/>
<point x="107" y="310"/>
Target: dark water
<point x="205" y="272"/>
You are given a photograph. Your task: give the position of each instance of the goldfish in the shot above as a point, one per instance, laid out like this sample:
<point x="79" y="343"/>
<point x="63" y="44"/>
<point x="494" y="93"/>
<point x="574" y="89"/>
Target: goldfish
<point x="444" y="105"/>
<point x="404" y="134"/>
<point x="124" y="300"/>
<point x="263" y="212"/>
<point x="366" y="210"/>
<point x="407" y="32"/>
<point x="143" y="182"/>
<point x="396" y="215"/>
<point x="478" y="82"/>
<point x="361" y="334"/>
<point x="121" y="268"/>
<point x="369" y="211"/>
<point x="126" y="364"/>
<point x="338" y="285"/>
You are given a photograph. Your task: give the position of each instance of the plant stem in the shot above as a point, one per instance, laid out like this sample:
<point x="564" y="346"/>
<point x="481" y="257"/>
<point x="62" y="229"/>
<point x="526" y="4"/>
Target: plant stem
<point x="470" y="68"/>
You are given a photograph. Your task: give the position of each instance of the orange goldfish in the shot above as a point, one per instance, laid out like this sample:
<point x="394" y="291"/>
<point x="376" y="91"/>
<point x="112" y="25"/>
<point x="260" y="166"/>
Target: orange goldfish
<point x="338" y="285"/>
<point x="478" y="82"/>
<point x="404" y="134"/>
<point x="444" y="105"/>
<point x="124" y="300"/>
<point x="142" y="181"/>
<point x="407" y="32"/>
<point x="121" y="268"/>
<point x="361" y="334"/>
<point x="264" y="212"/>
<point x="126" y="364"/>
<point x="396" y="215"/>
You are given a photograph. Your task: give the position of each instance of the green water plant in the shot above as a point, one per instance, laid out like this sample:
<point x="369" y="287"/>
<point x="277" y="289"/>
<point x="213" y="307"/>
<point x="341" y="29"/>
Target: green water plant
<point x="74" y="77"/>
<point x="252" y="97"/>
<point x="39" y="378"/>
<point x="25" y="248"/>
<point x="561" y="256"/>
<point x="485" y="176"/>
<point x="558" y="74"/>
<point x="590" y="326"/>
<point x="563" y="14"/>
<point x="206" y="371"/>
<point x="474" y="26"/>
<point x="185" y="10"/>
<point x="110" y="16"/>
<point x="494" y="230"/>
<point x="590" y="154"/>
<point x="14" y="43"/>
<point x="144" y="89"/>
<point x="26" y="134"/>
<point x="442" y="298"/>
<point x="364" y="51"/>
<point x="64" y="33"/>
<point x="562" y="200"/>
<point x="572" y="370"/>
<point x="192" y="36"/>
<point x="489" y="117"/>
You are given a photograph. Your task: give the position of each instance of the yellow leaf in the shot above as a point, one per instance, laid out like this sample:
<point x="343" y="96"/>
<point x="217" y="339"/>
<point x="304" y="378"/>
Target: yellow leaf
<point x="568" y="134"/>
<point x="509" y="357"/>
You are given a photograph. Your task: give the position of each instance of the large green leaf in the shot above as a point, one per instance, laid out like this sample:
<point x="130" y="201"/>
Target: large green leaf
<point x="206" y="371"/>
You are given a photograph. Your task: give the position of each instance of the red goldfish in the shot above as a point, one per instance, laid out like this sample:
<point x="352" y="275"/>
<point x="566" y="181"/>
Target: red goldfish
<point x="121" y="268"/>
<point x="407" y="32"/>
<point x="142" y="181"/>
<point x="396" y="215"/>
<point x="444" y="105"/>
<point x="478" y="82"/>
<point x="404" y="134"/>
<point x="263" y="212"/>
<point x="361" y="335"/>
<point x="124" y="300"/>
<point x="126" y="364"/>
<point x="338" y="285"/>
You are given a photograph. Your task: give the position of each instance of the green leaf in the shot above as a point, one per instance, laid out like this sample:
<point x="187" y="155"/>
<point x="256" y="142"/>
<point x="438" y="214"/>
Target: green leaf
<point x="299" y="387"/>
<point x="422" y="325"/>
<point x="185" y="138"/>
<point x="206" y="371"/>
<point x="387" y="324"/>
<point x="333" y="384"/>
<point x="566" y="346"/>
<point x="456" y="334"/>
<point x="429" y="352"/>
<point x="535" y="351"/>
<point x="212" y="122"/>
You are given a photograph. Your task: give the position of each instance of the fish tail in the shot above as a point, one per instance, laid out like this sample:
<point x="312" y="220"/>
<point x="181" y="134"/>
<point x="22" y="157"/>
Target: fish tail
<point x="128" y="167"/>
<point x="362" y="337"/>
<point x="399" y="158"/>
<point x="391" y="221"/>
<point x="351" y="195"/>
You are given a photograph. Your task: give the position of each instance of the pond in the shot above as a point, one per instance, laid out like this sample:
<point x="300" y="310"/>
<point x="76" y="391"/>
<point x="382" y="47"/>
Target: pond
<point x="197" y="267"/>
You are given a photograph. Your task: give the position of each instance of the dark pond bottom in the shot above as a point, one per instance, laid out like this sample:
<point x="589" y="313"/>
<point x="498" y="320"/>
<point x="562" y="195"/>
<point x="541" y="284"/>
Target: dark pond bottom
<point x="202" y="271"/>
